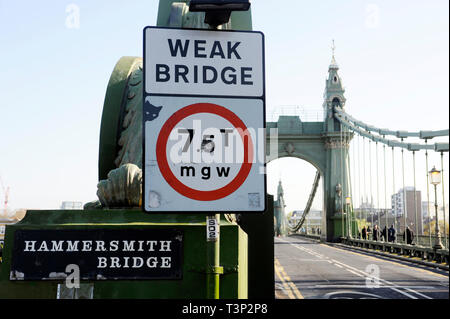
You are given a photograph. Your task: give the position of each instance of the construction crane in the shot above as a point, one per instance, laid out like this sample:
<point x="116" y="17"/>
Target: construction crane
<point x="6" y="194"/>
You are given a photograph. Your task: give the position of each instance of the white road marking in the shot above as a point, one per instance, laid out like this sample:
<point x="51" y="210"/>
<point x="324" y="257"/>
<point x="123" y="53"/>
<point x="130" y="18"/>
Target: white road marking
<point x="360" y="273"/>
<point x="364" y="286"/>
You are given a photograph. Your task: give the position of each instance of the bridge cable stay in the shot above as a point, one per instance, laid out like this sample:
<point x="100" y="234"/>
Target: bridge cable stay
<point x="404" y="197"/>
<point x="365" y="131"/>
<point x="378" y="188"/>
<point x="347" y="180"/>
<point x="370" y="185"/>
<point x="343" y="180"/>
<point x="350" y="174"/>
<point x="405" y="206"/>
<point x="443" y="198"/>
<point x="385" y="192"/>
<point x="354" y="198"/>
<point x="393" y="189"/>
<point x="296" y="227"/>
<point x="359" y="180"/>
<point x="428" y="195"/>
<point x="364" y="181"/>
<point x="415" y="198"/>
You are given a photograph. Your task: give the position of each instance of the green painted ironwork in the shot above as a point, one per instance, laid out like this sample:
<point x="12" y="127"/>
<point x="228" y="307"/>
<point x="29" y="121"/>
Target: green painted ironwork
<point x="233" y="255"/>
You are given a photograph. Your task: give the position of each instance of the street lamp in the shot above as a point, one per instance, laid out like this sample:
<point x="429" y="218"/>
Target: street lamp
<point x="436" y="180"/>
<point x="218" y="12"/>
<point x="348" y="201"/>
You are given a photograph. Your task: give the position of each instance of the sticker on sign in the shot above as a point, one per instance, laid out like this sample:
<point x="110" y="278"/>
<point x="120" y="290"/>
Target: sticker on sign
<point x="203" y="153"/>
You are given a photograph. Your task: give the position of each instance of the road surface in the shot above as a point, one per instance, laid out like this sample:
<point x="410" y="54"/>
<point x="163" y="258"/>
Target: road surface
<point x="307" y="269"/>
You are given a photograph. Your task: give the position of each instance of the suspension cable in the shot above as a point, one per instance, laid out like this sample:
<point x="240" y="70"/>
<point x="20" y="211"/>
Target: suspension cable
<point x="342" y="183"/>
<point x="350" y="184"/>
<point x="359" y="181"/>
<point x="370" y="186"/>
<point x="393" y="192"/>
<point x="364" y="183"/>
<point x="415" y="197"/>
<point x="354" y="184"/>
<point x="385" y="194"/>
<point x="428" y="196"/>
<point x="443" y="199"/>
<point x="353" y="181"/>
<point x="398" y="134"/>
<point x="410" y="146"/>
<point x="405" y="211"/>
<point x="378" y="190"/>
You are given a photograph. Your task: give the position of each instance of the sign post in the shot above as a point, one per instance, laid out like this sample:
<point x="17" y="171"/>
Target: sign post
<point x="214" y="270"/>
<point x="204" y="128"/>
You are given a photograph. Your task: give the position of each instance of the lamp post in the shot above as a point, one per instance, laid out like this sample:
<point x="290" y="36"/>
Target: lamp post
<point x="348" y="201"/>
<point x="436" y="180"/>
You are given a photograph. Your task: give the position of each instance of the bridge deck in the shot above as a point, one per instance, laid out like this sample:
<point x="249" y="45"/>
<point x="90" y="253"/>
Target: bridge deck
<point x="307" y="269"/>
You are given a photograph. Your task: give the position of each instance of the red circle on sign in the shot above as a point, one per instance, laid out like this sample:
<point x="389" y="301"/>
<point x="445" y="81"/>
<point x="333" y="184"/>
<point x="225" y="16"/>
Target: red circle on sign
<point x="164" y="165"/>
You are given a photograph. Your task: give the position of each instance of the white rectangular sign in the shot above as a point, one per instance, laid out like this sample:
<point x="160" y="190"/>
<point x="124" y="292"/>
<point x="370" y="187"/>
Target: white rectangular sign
<point x="204" y="62"/>
<point x="204" y="143"/>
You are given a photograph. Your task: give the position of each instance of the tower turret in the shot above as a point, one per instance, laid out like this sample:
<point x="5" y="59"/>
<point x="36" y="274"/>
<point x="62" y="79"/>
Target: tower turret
<point x="333" y="95"/>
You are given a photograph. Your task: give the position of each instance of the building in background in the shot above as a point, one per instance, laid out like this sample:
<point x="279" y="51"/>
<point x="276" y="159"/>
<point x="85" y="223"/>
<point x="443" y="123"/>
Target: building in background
<point x="426" y="208"/>
<point x="403" y="204"/>
<point x="313" y="221"/>
<point x="71" y="205"/>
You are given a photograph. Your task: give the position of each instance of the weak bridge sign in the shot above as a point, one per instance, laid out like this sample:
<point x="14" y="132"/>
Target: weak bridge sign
<point x="204" y="120"/>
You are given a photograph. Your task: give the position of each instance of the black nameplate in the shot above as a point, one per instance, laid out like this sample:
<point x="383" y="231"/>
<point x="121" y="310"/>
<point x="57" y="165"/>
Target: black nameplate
<point x="101" y="254"/>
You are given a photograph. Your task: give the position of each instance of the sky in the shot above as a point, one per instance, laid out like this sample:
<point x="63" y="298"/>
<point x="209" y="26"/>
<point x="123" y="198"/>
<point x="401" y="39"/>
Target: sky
<point x="393" y="58"/>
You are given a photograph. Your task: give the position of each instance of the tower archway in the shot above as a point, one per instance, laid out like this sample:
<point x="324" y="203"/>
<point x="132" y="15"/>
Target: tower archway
<point x="291" y="180"/>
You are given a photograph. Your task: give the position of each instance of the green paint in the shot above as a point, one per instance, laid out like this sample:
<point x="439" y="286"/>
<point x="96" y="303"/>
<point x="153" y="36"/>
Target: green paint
<point x="213" y="264"/>
<point x="233" y="256"/>
<point x="113" y="113"/>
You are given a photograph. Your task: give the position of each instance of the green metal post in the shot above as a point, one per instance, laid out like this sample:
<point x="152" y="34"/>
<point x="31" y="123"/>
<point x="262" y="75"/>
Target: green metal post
<point x="213" y="257"/>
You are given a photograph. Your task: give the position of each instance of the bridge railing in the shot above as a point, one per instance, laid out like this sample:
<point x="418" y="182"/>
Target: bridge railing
<point x="419" y="240"/>
<point x="433" y="257"/>
<point x="429" y="254"/>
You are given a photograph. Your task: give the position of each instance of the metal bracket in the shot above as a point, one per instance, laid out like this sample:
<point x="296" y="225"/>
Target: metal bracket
<point x="215" y="270"/>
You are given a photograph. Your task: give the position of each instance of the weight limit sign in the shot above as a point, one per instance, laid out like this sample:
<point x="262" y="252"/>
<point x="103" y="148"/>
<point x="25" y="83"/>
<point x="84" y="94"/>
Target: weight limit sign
<point x="204" y="156"/>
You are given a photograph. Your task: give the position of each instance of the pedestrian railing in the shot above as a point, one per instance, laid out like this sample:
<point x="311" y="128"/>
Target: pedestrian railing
<point x="421" y="240"/>
<point x="400" y="248"/>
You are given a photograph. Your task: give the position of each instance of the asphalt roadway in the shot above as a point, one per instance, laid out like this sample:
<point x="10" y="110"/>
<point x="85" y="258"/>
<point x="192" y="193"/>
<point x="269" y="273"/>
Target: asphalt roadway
<point x="307" y="269"/>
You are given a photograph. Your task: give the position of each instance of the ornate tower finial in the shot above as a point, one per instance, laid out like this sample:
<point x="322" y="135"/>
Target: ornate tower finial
<point x="333" y="59"/>
<point x="333" y="48"/>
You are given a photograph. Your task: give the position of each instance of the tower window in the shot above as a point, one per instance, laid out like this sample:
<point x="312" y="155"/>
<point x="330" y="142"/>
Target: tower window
<point x="335" y="79"/>
<point x="336" y="102"/>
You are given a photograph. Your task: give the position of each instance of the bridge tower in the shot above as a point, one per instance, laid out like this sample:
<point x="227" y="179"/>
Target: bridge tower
<point x="279" y="211"/>
<point x="337" y="138"/>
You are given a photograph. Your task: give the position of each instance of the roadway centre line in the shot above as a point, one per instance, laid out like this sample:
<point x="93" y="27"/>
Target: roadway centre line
<point x="383" y="280"/>
<point x="332" y="261"/>
<point x="387" y="283"/>
<point x="363" y="274"/>
<point x="287" y="279"/>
